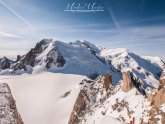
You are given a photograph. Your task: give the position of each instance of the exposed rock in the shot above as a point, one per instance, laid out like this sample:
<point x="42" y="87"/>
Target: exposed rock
<point x="107" y="81"/>
<point x="5" y="63"/>
<point x="90" y="94"/>
<point x="18" y="58"/>
<point x="54" y="57"/>
<point x="66" y="94"/>
<point x="159" y="99"/>
<point x="8" y="110"/>
<point x="151" y="96"/>
<point x="127" y="82"/>
<point x="163" y="118"/>
<point x="138" y="84"/>
<point x="78" y="108"/>
<point x="29" y="58"/>
<point x="162" y="81"/>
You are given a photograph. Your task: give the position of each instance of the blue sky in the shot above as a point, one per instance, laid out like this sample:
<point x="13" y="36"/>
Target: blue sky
<point x="138" y="25"/>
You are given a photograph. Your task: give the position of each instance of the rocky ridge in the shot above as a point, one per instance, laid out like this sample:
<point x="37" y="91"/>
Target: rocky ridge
<point x="101" y="97"/>
<point x="8" y="110"/>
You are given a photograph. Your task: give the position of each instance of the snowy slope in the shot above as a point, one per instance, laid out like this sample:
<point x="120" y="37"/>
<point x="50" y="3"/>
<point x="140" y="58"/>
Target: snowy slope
<point x="40" y="97"/>
<point x="155" y="60"/>
<point x="79" y="59"/>
<point x="122" y="106"/>
<point x="124" y="60"/>
<point x="107" y="120"/>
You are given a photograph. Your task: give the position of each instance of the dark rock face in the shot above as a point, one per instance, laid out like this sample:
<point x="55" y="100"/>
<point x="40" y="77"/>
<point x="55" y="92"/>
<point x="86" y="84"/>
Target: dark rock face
<point x="29" y="58"/>
<point x="107" y="81"/>
<point x="88" y="97"/>
<point x="18" y="58"/>
<point x="78" y="108"/>
<point x="28" y="61"/>
<point x="130" y="81"/>
<point x="54" y="57"/>
<point x="138" y="84"/>
<point x="8" y="109"/>
<point x="5" y="63"/>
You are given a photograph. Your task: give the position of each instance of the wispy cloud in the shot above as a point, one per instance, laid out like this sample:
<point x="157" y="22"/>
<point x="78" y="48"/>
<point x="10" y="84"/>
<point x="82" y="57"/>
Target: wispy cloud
<point x="114" y="19"/>
<point x="11" y="53"/>
<point x="4" y="34"/>
<point x="18" y="15"/>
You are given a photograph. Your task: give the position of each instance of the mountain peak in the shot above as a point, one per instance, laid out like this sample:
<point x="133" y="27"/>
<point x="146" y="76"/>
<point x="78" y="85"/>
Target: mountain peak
<point x="46" y="41"/>
<point x="84" y="58"/>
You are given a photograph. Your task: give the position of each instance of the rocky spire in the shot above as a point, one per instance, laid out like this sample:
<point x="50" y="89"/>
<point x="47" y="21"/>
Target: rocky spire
<point x="127" y="82"/>
<point x="90" y="94"/>
<point x="158" y="98"/>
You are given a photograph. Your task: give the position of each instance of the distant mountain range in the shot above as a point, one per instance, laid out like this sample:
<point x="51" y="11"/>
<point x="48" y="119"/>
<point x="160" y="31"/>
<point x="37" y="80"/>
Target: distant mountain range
<point x="83" y="58"/>
<point x="120" y="84"/>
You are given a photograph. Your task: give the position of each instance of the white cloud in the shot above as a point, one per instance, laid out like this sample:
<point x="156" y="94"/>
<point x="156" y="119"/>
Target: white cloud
<point x="11" y="53"/>
<point x="4" y="34"/>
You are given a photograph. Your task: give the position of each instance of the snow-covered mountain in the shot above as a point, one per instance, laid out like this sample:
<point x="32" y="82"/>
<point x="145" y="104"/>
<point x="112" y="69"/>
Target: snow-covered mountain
<point x="83" y="58"/>
<point x="118" y="84"/>
<point x="146" y="70"/>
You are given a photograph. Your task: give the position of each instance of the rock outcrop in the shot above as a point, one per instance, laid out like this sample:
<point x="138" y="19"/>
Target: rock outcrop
<point x="162" y="81"/>
<point x="78" y="108"/>
<point x="29" y="58"/>
<point x="54" y="57"/>
<point x="107" y="81"/>
<point x="158" y="98"/>
<point x="91" y="94"/>
<point x="8" y="109"/>
<point x="5" y="63"/>
<point x="127" y="82"/>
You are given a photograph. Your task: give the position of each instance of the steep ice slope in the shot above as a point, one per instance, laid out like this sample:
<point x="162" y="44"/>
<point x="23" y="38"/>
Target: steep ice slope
<point x="44" y="98"/>
<point x="123" y="60"/>
<point x="79" y="59"/>
<point x="155" y="60"/>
